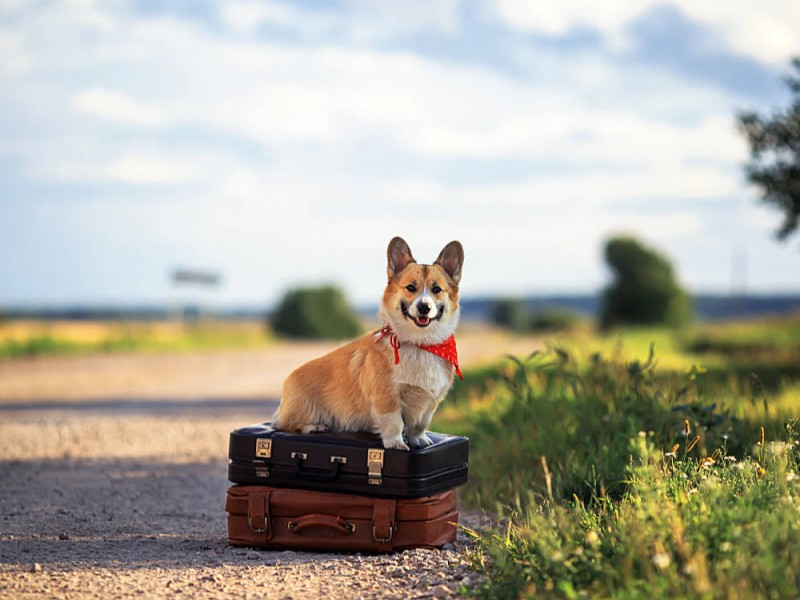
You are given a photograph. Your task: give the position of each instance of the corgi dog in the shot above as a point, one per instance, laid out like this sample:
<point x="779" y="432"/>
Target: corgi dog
<point x="392" y="380"/>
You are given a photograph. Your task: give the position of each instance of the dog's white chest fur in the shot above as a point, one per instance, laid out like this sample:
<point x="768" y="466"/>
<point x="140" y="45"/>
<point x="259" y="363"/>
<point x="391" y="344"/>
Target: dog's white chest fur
<point x="423" y="369"/>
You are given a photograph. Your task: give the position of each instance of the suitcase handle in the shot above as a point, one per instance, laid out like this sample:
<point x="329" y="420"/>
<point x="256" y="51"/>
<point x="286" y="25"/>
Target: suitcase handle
<point x="318" y="520"/>
<point x="316" y="474"/>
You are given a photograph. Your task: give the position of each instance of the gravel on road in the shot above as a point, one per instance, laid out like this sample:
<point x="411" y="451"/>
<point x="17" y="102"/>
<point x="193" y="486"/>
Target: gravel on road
<point x="113" y="472"/>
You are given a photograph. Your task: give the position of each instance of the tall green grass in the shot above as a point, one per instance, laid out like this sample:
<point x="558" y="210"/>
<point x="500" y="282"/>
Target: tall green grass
<point x="613" y="476"/>
<point x="682" y="529"/>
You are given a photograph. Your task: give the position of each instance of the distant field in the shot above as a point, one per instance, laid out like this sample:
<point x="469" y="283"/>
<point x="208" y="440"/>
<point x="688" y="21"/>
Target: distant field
<point x="36" y="338"/>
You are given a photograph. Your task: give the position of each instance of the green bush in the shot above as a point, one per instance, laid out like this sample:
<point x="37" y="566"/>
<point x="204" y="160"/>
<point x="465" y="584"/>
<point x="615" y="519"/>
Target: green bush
<point x="315" y="313"/>
<point x="553" y="319"/>
<point x="510" y="313"/>
<point x="40" y="345"/>
<point x="645" y="290"/>
<point x="513" y="314"/>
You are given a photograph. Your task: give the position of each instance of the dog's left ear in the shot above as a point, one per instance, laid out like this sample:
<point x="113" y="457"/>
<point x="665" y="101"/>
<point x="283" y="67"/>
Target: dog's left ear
<point x="450" y="259"/>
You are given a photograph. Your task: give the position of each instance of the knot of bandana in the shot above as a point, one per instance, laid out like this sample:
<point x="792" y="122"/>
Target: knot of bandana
<point x="446" y="350"/>
<point x="393" y="341"/>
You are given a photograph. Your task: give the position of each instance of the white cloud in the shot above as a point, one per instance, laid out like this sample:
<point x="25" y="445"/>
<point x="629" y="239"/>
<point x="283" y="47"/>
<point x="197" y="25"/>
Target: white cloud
<point x="670" y="226"/>
<point x="332" y="97"/>
<point x="87" y="12"/>
<point x="766" y="30"/>
<point x="581" y="133"/>
<point x="16" y="61"/>
<point x="135" y="169"/>
<point x="760" y="218"/>
<point x="285" y="98"/>
<point x="371" y="21"/>
<point x="240" y="184"/>
<point x="557" y="18"/>
<point x="357" y="21"/>
<point x="280" y="112"/>
<point x="116" y="106"/>
<point x="248" y="15"/>
<point x="598" y="191"/>
<point x="150" y="169"/>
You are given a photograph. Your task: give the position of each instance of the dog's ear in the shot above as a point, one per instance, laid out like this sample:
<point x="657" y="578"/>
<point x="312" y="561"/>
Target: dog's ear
<point x="450" y="259"/>
<point x="399" y="255"/>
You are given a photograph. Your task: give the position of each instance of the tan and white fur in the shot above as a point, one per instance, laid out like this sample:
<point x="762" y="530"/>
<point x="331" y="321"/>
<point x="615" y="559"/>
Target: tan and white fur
<point x="358" y="387"/>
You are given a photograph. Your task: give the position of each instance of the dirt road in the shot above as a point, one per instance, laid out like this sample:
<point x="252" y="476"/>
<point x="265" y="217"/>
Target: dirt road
<point x="113" y="479"/>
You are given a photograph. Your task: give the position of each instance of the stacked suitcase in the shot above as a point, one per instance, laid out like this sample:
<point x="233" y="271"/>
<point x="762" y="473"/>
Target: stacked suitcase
<point x="341" y="491"/>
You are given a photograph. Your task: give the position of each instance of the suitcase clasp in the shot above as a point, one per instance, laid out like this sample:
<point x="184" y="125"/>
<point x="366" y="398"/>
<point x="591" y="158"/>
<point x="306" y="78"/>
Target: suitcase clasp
<point x="263" y="448"/>
<point x="388" y="538"/>
<point x="255" y="529"/>
<point x="375" y="466"/>
<point x="262" y="469"/>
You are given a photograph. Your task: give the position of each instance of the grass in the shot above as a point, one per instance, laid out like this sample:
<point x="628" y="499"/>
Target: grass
<point x="40" y="338"/>
<point x="765" y="335"/>
<point x="725" y="530"/>
<point x="618" y="471"/>
<point x="638" y="464"/>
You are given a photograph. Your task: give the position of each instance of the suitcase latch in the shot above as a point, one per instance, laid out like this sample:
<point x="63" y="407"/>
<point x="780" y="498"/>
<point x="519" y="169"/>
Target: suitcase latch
<point x="262" y="469"/>
<point x="375" y="466"/>
<point x="264" y="448"/>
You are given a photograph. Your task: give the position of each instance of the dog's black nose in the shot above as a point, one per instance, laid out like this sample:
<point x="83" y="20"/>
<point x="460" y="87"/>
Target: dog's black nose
<point x="423" y="308"/>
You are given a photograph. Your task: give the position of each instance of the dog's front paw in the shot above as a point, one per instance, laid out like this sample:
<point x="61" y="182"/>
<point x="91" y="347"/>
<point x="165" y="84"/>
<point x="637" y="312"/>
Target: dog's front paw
<point x="420" y="441"/>
<point x="395" y="444"/>
<point x="315" y="428"/>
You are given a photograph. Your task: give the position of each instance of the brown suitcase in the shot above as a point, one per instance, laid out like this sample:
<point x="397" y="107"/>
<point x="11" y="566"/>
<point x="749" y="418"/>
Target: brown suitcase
<point x="267" y="517"/>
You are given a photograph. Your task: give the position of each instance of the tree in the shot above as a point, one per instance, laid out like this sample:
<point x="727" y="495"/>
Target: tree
<point x="774" y="165"/>
<point x="644" y="290"/>
<point x="314" y="313"/>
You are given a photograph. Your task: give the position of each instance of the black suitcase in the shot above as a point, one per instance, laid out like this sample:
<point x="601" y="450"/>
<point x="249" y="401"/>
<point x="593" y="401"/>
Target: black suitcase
<point x="345" y="462"/>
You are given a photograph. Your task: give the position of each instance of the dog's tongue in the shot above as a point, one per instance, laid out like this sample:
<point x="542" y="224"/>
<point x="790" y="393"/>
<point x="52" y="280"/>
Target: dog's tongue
<point x="423" y="320"/>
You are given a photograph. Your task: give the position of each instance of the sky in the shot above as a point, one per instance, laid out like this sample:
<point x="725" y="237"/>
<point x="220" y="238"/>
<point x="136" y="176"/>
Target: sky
<point x="283" y="144"/>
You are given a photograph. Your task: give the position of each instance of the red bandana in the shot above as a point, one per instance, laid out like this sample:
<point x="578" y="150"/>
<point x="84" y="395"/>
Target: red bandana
<point x="446" y="350"/>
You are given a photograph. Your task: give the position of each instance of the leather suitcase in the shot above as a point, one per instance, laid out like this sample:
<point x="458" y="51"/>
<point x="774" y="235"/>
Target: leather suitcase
<point x="267" y="517"/>
<point x="345" y="462"/>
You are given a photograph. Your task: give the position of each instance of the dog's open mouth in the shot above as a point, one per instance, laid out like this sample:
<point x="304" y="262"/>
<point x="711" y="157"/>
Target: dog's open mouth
<point x="421" y="320"/>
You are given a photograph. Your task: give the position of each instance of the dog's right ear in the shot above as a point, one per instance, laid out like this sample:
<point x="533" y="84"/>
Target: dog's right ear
<point x="399" y="256"/>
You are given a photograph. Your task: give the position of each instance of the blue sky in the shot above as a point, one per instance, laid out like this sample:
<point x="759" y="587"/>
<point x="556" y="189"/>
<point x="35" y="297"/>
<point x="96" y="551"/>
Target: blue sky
<point x="285" y="143"/>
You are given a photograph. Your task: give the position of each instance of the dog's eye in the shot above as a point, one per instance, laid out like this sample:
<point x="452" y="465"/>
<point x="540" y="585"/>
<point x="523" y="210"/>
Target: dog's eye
<point x="411" y="287"/>
<point x="436" y="289"/>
